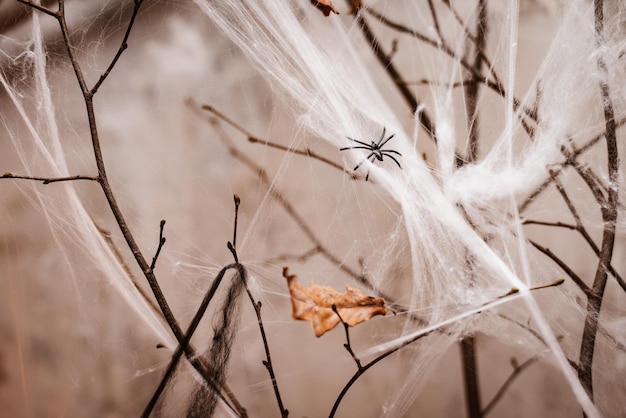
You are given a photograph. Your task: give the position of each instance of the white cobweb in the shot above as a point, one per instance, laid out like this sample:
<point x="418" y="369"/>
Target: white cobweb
<point x="443" y="244"/>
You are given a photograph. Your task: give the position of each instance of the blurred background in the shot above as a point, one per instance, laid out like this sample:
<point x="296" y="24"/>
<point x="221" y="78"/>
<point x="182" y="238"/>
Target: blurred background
<point x="77" y="343"/>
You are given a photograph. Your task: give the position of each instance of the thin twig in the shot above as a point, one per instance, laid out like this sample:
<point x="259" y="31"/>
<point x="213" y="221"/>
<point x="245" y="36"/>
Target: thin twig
<point x="120" y="259"/>
<point x="517" y="370"/>
<point x="454" y="85"/>
<point x="160" y="246"/>
<point x="347" y="345"/>
<point x="569" y="161"/>
<point x="257" y="310"/>
<point x="579" y="282"/>
<point x="121" y="49"/>
<point x="588" y="176"/>
<point x="42" y="9"/>
<point x="554" y="224"/>
<point x="253" y="139"/>
<point x="49" y="180"/>
<point x="268" y="361"/>
<point x="433" y="14"/>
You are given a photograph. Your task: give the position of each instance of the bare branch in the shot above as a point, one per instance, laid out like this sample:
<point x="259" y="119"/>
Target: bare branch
<point x="42" y="9"/>
<point x="253" y="139"/>
<point x="517" y="371"/>
<point x="122" y="48"/>
<point x="49" y="180"/>
<point x="609" y="216"/>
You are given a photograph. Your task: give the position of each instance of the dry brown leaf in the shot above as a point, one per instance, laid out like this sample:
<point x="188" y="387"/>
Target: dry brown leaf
<point x="314" y="303"/>
<point x="326" y="6"/>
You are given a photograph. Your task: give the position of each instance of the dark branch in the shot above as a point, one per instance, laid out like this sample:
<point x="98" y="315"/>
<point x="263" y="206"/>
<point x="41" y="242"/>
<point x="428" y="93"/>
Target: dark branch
<point x="609" y="215"/>
<point x="517" y="370"/>
<point x="253" y="139"/>
<point x="554" y="224"/>
<point x="40" y="8"/>
<point x="49" y="180"/>
<point x="347" y="345"/>
<point x="579" y="282"/>
<point x="122" y="48"/>
<point x="160" y="246"/>
<point x="268" y="358"/>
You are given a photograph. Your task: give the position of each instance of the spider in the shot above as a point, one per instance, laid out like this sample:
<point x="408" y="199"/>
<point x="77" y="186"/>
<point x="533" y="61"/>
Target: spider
<point x="377" y="151"/>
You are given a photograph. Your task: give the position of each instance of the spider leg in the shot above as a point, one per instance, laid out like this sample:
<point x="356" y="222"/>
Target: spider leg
<point x="362" y="161"/>
<point x="390" y="150"/>
<point x="345" y="148"/>
<point x="360" y="142"/>
<point x="393" y="158"/>
<point x="382" y="136"/>
<point x="373" y="156"/>
<point x="380" y="145"/>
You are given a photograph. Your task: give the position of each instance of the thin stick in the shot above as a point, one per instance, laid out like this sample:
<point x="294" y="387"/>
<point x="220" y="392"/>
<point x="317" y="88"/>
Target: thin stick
<point x="579" y="282"/>
<point x="160" y="246"/>
<point x="569" y="161"/>
<point x="517" y="370"/>
<point x="395" y="76"/>
<point x="546" y="223"/>
<point x="347" y="345"/>
<point x="257" y="310"/>
<point x="588" y="177"/>
<point x="268" y="358"/>
<point x="121" y="49"/>
<point x="120" y="259"/>
<point x="42" y="9"/>
<point x="49" y="180"/>
<point x="427" y="82"/>
<point x="253" y="139"/>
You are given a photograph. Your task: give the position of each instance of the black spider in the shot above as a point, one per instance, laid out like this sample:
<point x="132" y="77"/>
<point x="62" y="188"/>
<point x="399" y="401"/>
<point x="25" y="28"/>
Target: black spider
<point x="377" y="151"/>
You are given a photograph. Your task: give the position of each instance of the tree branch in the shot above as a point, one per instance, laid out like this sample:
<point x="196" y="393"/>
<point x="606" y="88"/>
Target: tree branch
<point x="609" y="215"/>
